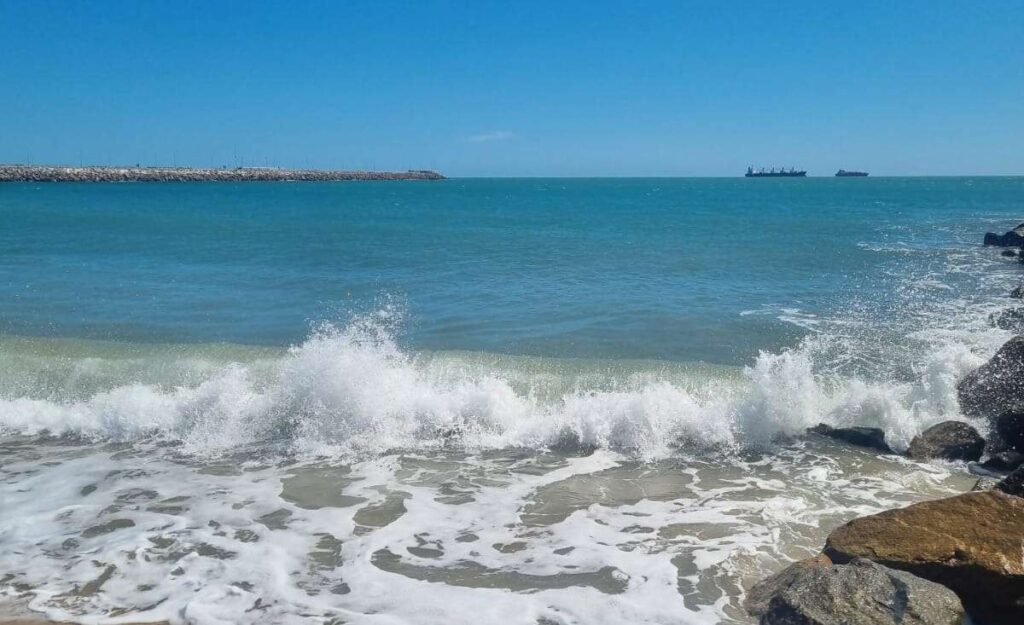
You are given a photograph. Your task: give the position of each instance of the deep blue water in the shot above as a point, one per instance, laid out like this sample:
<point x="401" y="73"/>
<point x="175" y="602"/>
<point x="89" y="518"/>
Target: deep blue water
<point x="676" y="269"/>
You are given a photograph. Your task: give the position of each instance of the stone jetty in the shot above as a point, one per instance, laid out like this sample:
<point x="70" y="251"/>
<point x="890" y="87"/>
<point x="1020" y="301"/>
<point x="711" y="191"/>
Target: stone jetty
<point x="39" y="173"/>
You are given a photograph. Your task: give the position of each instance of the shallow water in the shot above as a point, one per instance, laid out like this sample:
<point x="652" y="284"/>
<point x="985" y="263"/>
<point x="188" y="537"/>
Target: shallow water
<point x="478" y="401"/>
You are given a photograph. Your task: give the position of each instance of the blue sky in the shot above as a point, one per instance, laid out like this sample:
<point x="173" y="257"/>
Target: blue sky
<point x="518" y="88"/>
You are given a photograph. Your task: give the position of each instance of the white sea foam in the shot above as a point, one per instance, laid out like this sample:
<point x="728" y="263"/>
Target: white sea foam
<point x="506" y="537"/>
<point x="352" y="391"/>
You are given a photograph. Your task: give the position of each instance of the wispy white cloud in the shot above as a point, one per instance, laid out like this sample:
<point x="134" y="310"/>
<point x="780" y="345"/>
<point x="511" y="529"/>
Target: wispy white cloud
<point x="492" y="135"/>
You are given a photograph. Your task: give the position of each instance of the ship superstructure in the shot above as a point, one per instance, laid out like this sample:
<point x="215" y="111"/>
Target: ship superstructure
<point x="775" y="173"/>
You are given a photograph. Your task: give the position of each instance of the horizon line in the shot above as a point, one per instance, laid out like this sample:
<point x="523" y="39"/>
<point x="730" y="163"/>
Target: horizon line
<point x="485" y="176"/>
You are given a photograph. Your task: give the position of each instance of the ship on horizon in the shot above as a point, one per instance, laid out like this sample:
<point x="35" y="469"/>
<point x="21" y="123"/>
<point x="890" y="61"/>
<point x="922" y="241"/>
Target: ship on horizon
<point x="842" y="173"/>
<point x="775" y="173"/>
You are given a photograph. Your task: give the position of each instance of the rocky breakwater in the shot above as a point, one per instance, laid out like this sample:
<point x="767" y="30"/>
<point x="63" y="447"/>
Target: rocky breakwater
<point x="32" y="173"/>
<point x="926" y="564"/>
<point x="930" y="562"/>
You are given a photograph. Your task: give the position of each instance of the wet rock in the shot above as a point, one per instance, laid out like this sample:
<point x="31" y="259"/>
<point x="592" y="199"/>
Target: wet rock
<point x="1013" y="238"/>
<point x="1013" y="484"/>
<point x="1010" y="319"/>
<point x="949" y="440"/>
<point x="1018" y="292"/>
<point x="1008" y="253"/>
<point x="998" y="385"/>
<point x="761" y="593"/>
<point x="106" y="528"/>
<point x="873" y="438"/>
<point x="970" y="543"/>
<point x="1004" y="461"/>
<point x="1009" y="428"/>
<point x="862" y="593"/>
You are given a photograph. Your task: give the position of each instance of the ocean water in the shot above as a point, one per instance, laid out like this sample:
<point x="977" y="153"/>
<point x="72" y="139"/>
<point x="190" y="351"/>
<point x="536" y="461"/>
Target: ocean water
<point x="529" y="401"/>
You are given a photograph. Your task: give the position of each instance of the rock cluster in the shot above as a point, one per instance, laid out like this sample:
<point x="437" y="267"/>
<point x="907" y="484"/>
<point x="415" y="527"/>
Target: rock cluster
<point x="921" y="564"/>
<point x="929" y="562"/>
<point x="27" y="173"/>
<point x="970" y="543"/>
<point x="1013" y="238"/>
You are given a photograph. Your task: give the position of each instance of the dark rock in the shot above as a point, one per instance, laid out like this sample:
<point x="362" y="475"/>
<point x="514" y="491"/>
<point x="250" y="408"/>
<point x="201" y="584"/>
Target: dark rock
<point x="1009" y="427"/>
<point x="873" y="438"/>
<point x="1008" y="253"/>
<point x="1004" y="461"/>
<point x="996" y="386"/>
<point x="1018" y="292"/>
<point x="949" y="440"/>
<point x="762" y="592"/>
<point x="970" y="543"/>
<point x="862" y="593"/>
<point x="1013" y="484"/>
<point x="1013" y="238"/>
<point x="1010" y="319"/>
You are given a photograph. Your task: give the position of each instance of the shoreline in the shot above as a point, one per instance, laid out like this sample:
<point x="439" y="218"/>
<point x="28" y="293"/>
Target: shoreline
<point x="936" y="561"/>
<point x="43" y="173"/>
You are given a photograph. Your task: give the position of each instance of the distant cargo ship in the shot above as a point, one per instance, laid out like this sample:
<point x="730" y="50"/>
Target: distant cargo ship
<point x="775" y="173"/>
<point x="842" y="173"/>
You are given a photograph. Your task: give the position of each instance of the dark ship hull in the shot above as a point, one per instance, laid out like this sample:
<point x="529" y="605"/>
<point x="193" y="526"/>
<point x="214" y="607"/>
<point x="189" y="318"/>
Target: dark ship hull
<point x="842" y="173"/>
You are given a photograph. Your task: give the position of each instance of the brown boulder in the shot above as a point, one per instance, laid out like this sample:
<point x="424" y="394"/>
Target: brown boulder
<point x="971" y="543"/>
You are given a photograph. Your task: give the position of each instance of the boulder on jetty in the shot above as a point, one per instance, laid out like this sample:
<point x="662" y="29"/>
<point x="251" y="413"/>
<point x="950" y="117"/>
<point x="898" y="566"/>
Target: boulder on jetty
<point x="997" y="386"/>
<point x="970" y="543"/>
<point x="949" y="440"/>
<point x="860" y="593"/>
<point x="1013" y="238"/>
<point x="873" y="438"/>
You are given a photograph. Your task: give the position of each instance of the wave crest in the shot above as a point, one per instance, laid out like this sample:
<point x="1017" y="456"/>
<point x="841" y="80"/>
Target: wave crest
<point x="352" y="390"/>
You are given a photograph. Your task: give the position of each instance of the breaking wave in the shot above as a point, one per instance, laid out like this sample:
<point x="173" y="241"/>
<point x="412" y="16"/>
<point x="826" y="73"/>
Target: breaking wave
<point x="352" y="390"/>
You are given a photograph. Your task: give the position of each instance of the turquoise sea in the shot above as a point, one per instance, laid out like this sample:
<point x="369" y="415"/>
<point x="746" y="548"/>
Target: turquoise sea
<point x="537" y="400"/>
